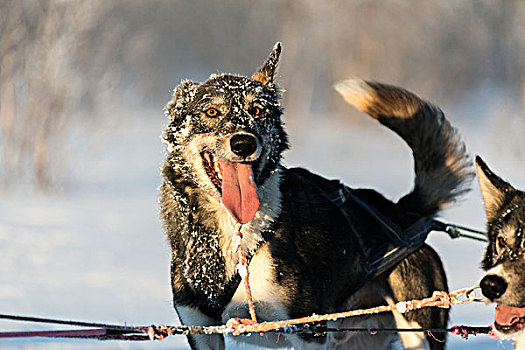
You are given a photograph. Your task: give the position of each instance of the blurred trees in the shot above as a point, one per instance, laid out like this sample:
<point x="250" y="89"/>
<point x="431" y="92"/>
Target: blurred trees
<point x="56" y="57"/>
<point x="59" y="59"/>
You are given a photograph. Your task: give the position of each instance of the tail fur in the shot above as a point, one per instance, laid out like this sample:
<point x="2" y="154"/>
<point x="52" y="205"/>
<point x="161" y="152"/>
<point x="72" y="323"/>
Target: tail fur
<point x="442" y="167"/>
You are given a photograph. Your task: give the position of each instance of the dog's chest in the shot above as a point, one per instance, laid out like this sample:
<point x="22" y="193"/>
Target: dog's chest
<point x="206" y="261"/>
<point x="210" y="265"/>
<point x="252" y="234"/>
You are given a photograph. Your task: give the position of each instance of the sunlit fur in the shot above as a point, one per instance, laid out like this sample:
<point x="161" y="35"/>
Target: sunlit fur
<point x="505" y="209"/>
<point x="301" y="249"/>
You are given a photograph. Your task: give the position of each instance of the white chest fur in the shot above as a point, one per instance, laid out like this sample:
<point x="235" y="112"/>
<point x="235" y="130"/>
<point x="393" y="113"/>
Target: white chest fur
<point x="269" y="209"/>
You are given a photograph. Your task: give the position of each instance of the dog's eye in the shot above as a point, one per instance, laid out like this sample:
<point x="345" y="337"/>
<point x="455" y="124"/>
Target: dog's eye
<point x="255" y="111"/>
<point x="212" y="112"/>
<point x="502" y="243"/>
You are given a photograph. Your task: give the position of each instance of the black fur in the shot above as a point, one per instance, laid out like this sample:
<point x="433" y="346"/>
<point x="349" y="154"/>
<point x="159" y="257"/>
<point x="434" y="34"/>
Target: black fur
<point x="509" y="212"/>
<point x="313" y="264"/>
<point x="504" y="258"/>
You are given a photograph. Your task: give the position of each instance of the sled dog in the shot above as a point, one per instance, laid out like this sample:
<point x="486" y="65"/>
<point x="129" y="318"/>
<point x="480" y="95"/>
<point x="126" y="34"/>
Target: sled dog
<point x="504" y="258"/>
<point x="223" y="171"/>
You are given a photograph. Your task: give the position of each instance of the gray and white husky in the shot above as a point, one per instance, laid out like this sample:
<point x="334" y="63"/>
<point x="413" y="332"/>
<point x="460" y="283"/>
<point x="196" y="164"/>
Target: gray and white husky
<point x="504" y="260"/>
<point x="223" y="171"/>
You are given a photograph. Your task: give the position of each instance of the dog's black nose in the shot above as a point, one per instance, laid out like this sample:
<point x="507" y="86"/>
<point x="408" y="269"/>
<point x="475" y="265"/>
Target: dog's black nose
<point x="243" y="145"/>
<point x="493" y="286"/>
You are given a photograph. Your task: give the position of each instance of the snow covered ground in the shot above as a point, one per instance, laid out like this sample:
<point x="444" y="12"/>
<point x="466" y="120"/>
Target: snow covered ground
<point x="96" y="251"/>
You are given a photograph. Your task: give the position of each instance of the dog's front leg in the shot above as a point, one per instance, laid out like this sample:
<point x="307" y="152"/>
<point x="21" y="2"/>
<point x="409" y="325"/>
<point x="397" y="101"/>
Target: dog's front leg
<point x="192" y="316"/>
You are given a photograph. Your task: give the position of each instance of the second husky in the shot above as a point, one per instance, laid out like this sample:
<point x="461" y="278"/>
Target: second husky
<point x="504" y="259"/>
<point x="225" y="141"/>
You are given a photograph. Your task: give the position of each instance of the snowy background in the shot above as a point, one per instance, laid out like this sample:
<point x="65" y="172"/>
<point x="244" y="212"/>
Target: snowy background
<point x="80" y="236"/>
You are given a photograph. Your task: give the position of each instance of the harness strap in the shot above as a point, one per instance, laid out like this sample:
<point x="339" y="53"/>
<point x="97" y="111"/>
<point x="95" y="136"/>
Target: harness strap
<point x="403" y="242"/>
<point x="412" y="236"/>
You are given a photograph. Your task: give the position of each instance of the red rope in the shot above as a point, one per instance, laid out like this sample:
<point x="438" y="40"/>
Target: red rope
<point x="73" y="333"/>
<point x="162" y="332"/>
<point x="97" y="333"/>
<point x="72" y="323"/>
<point x="242" y="268"/>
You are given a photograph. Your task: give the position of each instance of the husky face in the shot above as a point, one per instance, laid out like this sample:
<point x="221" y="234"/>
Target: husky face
<point x="504" y="259"/>
<point x="226" y="137"/>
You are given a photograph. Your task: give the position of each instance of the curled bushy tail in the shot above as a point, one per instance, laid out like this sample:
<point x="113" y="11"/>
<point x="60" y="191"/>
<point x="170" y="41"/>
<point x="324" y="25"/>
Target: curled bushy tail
<point x="442" y="166"/>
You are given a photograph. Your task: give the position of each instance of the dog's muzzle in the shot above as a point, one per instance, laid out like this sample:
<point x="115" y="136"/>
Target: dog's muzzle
<point x="243" y="145"/>
<point x="493" y="286"/>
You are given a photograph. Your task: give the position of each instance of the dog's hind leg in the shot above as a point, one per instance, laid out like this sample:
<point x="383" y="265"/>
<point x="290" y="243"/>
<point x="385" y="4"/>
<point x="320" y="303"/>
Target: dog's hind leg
<point x="417" y="277"/>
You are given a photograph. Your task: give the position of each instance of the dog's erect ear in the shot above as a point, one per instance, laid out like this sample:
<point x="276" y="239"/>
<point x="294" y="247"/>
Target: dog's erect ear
<point x="182" y="95"/>
<point x="266" y="74"/>
<point x="493" y="188"/>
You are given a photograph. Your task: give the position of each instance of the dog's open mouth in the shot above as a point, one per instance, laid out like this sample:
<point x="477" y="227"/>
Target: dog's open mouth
<point x="235" y="183"/>
<point x="509" y="319"/>
<point x="213" y="170"/>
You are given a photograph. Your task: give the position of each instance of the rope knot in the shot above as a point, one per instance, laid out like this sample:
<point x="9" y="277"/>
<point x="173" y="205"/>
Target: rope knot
<point x="492" y="334"/>
<point x="443" y="298"/>
<point x="459" y="330"/>
<point x="238" y="325"/>
<point x="159" y="333"/>
<point x="401" y="307"/>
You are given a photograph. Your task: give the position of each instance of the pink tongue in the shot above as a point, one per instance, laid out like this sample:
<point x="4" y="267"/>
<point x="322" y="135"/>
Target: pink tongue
<point x="508" y="315"/>
<point x="239" y="194"/>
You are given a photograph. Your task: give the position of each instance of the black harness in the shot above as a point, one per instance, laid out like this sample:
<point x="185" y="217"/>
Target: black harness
<point x="400" y="243"/>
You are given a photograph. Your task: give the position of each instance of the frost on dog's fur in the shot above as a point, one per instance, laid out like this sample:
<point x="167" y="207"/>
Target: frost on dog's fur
<point x="201" y="239"/>
<point x="300" y="246"/>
